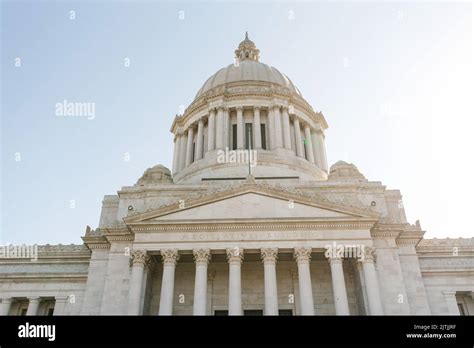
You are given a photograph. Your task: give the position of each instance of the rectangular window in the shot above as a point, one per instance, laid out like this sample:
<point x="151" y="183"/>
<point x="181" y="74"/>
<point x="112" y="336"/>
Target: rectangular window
<point x="248" y="136"/>
<point x="285" y="312"/>
<point x="253" y="312"/>
<point x="234" y="137"/>
<point x="50" y="311"/>
<point x="221" y="313"/>
<point x="263" y="136"/>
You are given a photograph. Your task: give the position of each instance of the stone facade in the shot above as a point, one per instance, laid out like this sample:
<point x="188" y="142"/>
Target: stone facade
<point x="283" y="235"/>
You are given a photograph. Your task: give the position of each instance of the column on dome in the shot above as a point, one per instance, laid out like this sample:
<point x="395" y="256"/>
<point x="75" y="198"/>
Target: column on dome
<point x="235" y="257"/>
<point x="308" y="143"/>
<point x="286" y="128"/>
<point x="240" y="128"/>
<point x="211" y="129"/>
<point x="190" y="146"/>
<point x="201" y="259"/>
<point x="278" y="127"/>
<point x="200" y="139"/>
<point x="139" y="260"/>
<point x="271" y="130"/>
<point x="303" y="257"/>
<point x="182" y="149"/>
<point x="226" y="127"/>
<point x="170" y="258"/>
<point x="322" y="149"/>
<point x="176" y="154"/>
<point x="298" y="140"/>
<point x="257" y="135"/>
<point x="317" y="156"/>
<point x="220" y="128"/>
<point x="269" y="257"/>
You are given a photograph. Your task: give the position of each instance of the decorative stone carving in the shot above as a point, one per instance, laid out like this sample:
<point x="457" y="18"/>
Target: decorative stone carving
<point x="139" y="257"/>
<point x="368" y="255"/>
<point x="158" y="174"/>
<point x="269" y="255"/>
<point x="235" y="254"/>
<point x="302" y="254"/>
<point x="202" y="256"/>
<point x="169" y="256"/>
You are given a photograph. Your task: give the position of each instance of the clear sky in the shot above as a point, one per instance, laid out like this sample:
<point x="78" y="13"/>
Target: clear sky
<point x="394" y="80"/>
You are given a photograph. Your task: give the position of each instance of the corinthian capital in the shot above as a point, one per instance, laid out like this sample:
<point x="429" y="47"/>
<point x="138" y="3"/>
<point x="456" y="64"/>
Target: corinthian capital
<point x="169" y="256"/>
<point x="269" y="255"/>
<point x="139" y="257"/>
<point x="302" y="254"/>
<point x="202" y="256"/>
<point x="235" y="254"/>
<point x="368" y="255"/>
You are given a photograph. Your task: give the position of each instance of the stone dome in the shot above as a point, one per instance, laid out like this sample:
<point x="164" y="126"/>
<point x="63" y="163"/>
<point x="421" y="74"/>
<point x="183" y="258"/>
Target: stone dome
<point x="247" y="68"/>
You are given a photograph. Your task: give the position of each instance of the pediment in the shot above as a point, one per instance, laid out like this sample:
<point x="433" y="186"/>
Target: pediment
<point x="252" y="203"/>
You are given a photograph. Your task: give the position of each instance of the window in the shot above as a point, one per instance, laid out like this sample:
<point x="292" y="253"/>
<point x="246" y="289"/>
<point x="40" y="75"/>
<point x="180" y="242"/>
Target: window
<point x="253" y="312"/>
<point x="23" y="311"/>
<point x="234" y="137"/>
<point x="461" y="309"/>
<point x="221" y="313"/>
<point x="50" y="311"/>
<point x="248" y="136"/>
<point x="263" y="136"/>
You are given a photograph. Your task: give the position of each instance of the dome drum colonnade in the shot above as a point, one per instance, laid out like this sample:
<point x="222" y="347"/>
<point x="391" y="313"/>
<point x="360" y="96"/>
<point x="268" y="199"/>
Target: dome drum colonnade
<point x="249" y="104"/>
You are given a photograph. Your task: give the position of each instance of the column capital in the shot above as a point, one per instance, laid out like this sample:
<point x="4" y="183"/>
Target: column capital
<point x="333" y="259"/>
<point x="222" y="107"/>
<point x="34" y="299"/>
<point x="202" y="256"/>
<point x="239" y="108"/>
<point x="269" y="255"/>
<point x="235" y="254"/>
<point x="212" y="110"/>
<point x="276" y="106"/>
<point x="139" y="257"/>
<point x="61" y="299"/>
<point x="302" y="254"/>
<point x="449" y="293"/>
<point x="169" y="256"/>
<point x="256" y="108"/>
<point x="368" y="255"/>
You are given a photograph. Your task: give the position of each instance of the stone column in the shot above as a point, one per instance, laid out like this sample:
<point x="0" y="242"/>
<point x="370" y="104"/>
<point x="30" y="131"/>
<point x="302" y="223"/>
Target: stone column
<point x="5" y="306"/>
<point x="308" y="143"/>
<point x="278" y="128"/>
<point x="139" y="259"/>
<point x="189" y="146"/>
<point x="371" y="282"/>
<point x="211" y="129"/>
<point x="200" y="139"/>
<point x="303" y="257"/>
<point x="299" y="143"/>
<point x="226" y="127"/>
<point x="286" y="128"/>
<point x="240" y="128"/>
<point x="33" y="306"/>
<point x="182" y="156"/>
<point x="59" y="305"/>
<point x="220" y="128"/>
<point x="338" y="285"/>
<point x="314" y="142"/>
<point x="176" y="154"/>
<point x="235" y="257"/>
<point x="271" y="130"/>
<point x="322" y="150"/>
<point x="452" y="303"/>
<point x="201" y="259"/>
<point x="170" y="258"/>
<point x="269" y="257"/>
<point x="257" y="135"/>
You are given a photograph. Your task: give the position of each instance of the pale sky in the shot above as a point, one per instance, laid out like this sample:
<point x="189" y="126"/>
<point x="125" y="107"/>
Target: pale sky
<point x="394" y="81"/>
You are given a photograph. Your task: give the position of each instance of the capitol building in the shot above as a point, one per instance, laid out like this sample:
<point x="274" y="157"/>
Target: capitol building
<point x="250" y="220"/>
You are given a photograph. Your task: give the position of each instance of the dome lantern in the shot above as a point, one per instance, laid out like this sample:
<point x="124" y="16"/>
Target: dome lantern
<point x="247" y="50"/>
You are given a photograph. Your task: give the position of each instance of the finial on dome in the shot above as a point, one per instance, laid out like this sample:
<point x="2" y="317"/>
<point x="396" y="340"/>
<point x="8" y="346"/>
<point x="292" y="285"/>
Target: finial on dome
<point x="247" y="50"/>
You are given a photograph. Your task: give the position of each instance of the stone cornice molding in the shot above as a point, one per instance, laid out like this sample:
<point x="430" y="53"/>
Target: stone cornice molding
<point x="277" y="191"/>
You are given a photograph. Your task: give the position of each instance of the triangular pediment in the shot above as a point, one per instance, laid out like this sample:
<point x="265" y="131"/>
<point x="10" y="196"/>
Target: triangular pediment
<point x="252" y="202"/>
